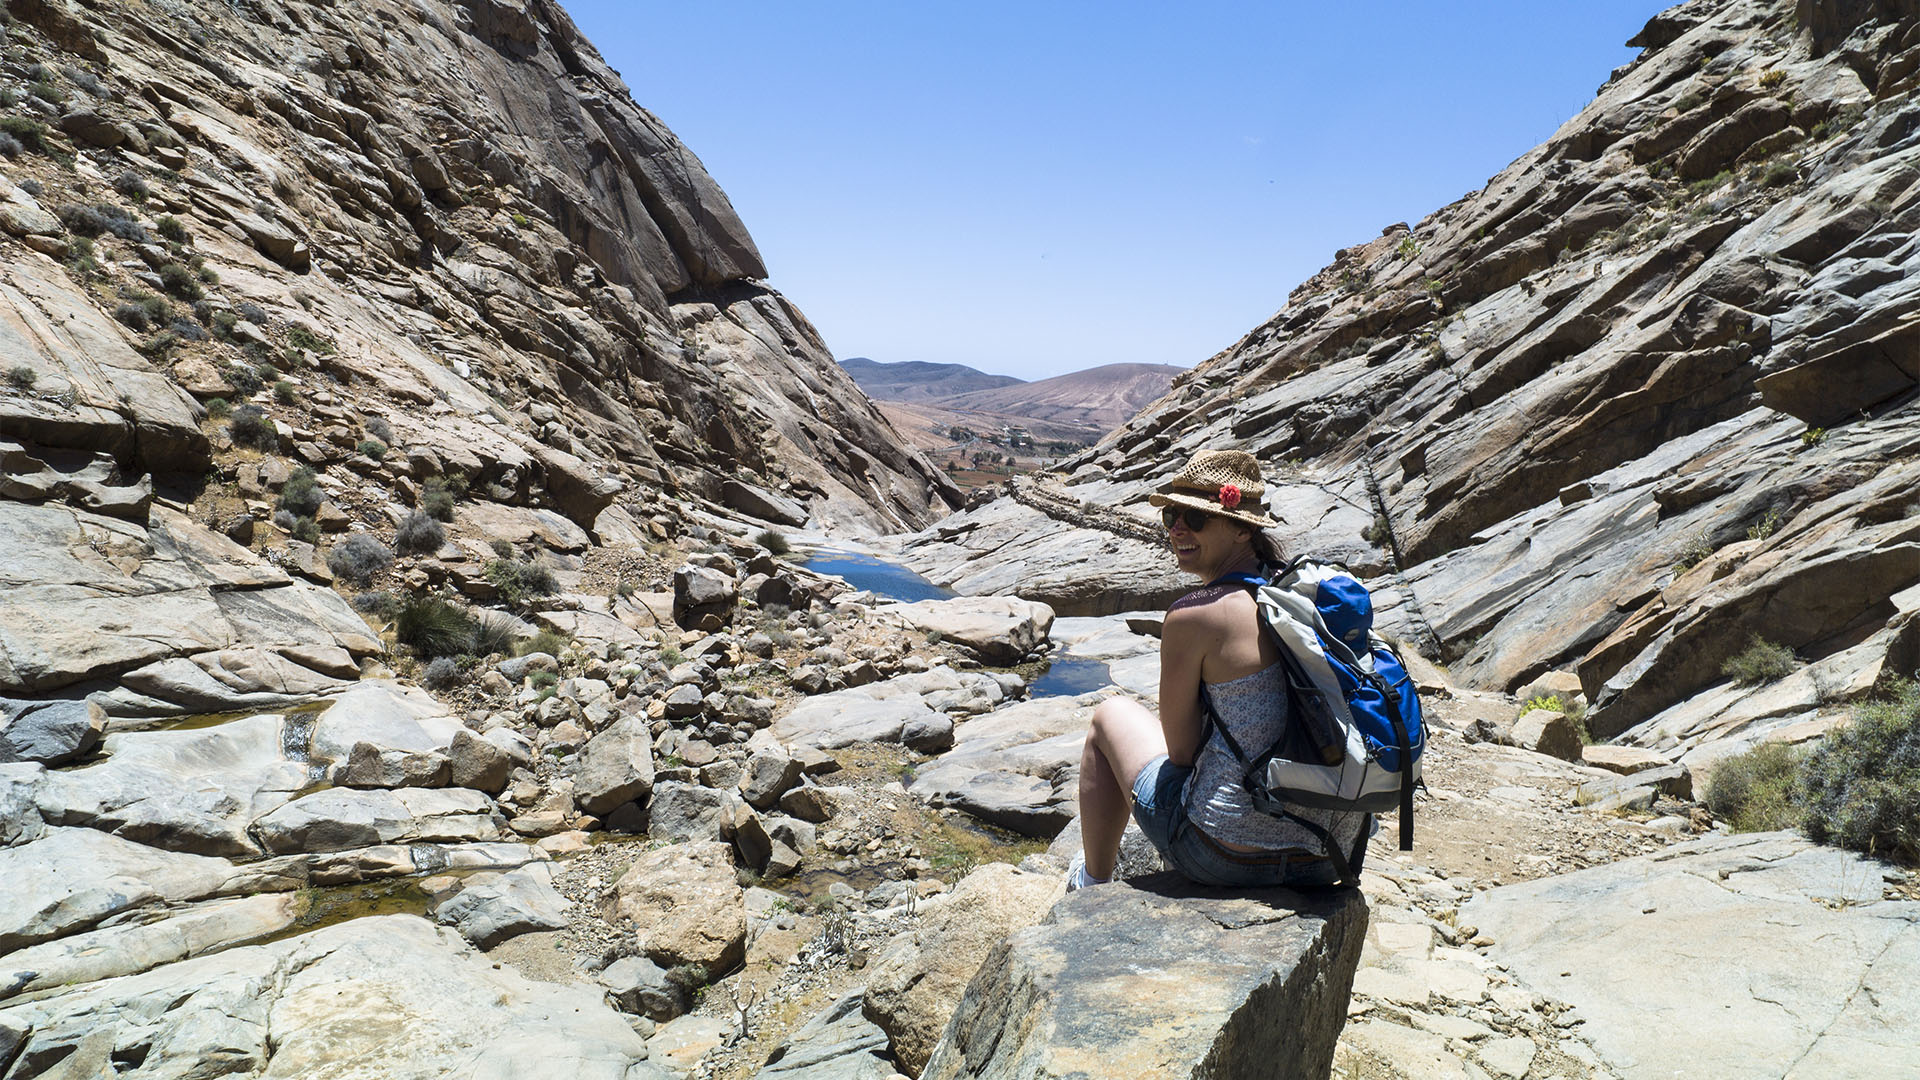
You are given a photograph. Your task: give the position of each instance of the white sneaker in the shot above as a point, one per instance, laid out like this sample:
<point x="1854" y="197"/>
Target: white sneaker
<point x="1077" y="876"/>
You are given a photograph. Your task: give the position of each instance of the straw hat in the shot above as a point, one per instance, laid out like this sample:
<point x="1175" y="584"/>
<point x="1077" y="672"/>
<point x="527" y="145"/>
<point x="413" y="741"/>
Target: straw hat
<point x="1226" y="483"/>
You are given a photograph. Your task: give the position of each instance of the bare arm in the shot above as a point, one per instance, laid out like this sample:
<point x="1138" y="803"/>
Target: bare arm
<point x="1191" y="631"/>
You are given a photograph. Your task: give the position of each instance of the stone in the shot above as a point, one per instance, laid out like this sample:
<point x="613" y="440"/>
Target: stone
<point x="49" y="732"/>
<point x="386" y="716"/>
<point x="1015" y="767"/>
<point x="703" y="599"/>
<point x="132" y="947"/>
<point x="1625" y="760"/>
<point x="681" y="811"/>
<point x="1604" y="941"/>
<point x="614" y="768"/>
<point x="684" y="905"/>
<point x="638" y="985"/>
<point x="769" y="773"/>
<point x="1153" y="978"/>
<point x="838" y="1044"/>
<point x="808" y="802"/>
<point x="1544" y="731"/>
<point x="69" y="880"/>
<point x="996" y="629"/>
<point x="914" y="986"/>
<point x="93" y="129"/>
<point x="1674" y="780"/>
<point x="368" y="766"/>
<point x="928" y="734"/>
<point x="761" y="503"/>
<point x="474" y="762"/>
<point x="490" y="908"/>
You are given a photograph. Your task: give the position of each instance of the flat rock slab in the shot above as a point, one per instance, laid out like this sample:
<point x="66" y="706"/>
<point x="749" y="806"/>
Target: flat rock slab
<point x="1014" y="767"/>
<point x="997" y="629"/>
<point x="1157" y="978"/>
<point x="492" y="907"/>
<point x="394" y="997"/>
<point x="1781" y="949"/>
<point x="133" y="947"/>
<point x="70" y="879"/>
<point x="387" y="714"/>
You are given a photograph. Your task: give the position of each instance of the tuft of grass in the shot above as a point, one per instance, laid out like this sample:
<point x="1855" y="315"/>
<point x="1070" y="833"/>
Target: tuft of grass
<point x="1701" y="187"/>
<point x="358" y="558"/>
<point x="170" y="228"/>
<point x="551" y="642"/>
<point x="285" y="392"/>
<point x="774" y="542"/>
<point x="219" y="408"/>
<point x="495" y="633"/>
<point x="181" y="282"/>
<point x="21" y="377"/>
<point x="1762" y="661"/>
<point x="372" y="448"/>
<point x="419" y="534"/>
<point x="27" y="131"/>
<point x="431" y="627"/>
<point x="1862" y="782"/>
<point x="1758" y="791"/>
<point x="1778" y="174"/>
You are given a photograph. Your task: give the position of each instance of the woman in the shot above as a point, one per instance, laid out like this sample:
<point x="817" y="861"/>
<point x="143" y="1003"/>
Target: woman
<point x="1184" y="784"/>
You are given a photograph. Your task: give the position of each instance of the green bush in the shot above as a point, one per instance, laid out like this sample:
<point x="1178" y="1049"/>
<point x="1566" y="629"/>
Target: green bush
<point x="1762" y="661"/>
<point x="519" y="582"/>
<point x="30" y="133"/>
<point x="550" y="642"/>
<point x="1862" y="782"/>
<point x="219" y="408"/>
<point x="372" y="448"/>
<point x="773" y="542"/>
<point x="302" y="338"/>
<point x="22" y="377"/>
<point x="495" y="633"/>
<point x="1757" y="791"/>
<point x="170" y="228"/>
<point x="437" y="499"/>
<point x="250" y="427"/>
<point x="181" y="282"/>
<point x="434" y="627"/>
<point x="301" y="495"/>
<point x="285" y="392"/>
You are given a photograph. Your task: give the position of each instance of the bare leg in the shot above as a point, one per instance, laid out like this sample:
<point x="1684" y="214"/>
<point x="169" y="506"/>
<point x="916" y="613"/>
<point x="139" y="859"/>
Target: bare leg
<point x="1123" y="738"/>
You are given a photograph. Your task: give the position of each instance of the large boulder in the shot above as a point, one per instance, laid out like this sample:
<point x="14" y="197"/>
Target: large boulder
<point x="1157" y="978"/>
<point x="838" y="1044"/>
<point x="49" y="732"/>
<point x="685" y="906"/>
<point x="489" y="908"/>
<point x="761" y="503"/>
<point x="996" y="629"/>
<point x="338" y="819"/>
<point x="703" y="598"/>
<point x="915" y="985"/>
<point x="1016" y="767"/>
<point x="615" y="767"/>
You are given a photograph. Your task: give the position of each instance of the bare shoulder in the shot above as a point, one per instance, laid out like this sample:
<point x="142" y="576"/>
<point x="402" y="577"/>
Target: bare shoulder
<point x="1214" y="607"/>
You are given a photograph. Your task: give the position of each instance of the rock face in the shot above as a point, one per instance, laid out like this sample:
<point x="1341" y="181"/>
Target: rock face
<point x="1645" y="395"/>
<point x="1772" y="900"/>
<point x="1151" y="978"/>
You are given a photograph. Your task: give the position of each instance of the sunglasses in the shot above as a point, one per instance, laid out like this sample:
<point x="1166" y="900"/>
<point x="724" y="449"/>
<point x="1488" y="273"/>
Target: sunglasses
<point x="1195" y="520"/>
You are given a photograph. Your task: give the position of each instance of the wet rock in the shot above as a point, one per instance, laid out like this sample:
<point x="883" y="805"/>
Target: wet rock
<point x="132" y="947"/>
<point x="915" y="986"/>
<point x="1154" y="978"/>
<point x="685" y="906"/>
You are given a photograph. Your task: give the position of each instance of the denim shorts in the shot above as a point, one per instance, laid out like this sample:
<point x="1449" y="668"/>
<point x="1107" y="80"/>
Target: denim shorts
<point x="1160" y="806"/>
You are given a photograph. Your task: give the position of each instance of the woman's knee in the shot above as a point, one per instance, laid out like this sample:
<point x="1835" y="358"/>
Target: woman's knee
<point x="1120" y="716"/>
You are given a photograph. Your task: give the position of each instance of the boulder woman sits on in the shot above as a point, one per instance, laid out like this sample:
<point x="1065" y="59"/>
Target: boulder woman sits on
<point x="1177" y="770"/>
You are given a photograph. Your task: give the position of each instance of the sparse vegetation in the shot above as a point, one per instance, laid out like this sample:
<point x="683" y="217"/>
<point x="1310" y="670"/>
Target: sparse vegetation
<point x="495" y="633"/>
<point x="1407" y="248"/>
<point x="520" y="582"/>
<point x="285" y="392"/>
<point x="372" y="448"/>
<point x="301" y="495"/>
<point x="1697" y="550"/>
<point x="21" y="377"/>
<point x="1772" y="77"/>
<point x="358" y="559"/>
<point x="419" y="534"/>
<point x="26" y="131"/>
<point x="440" y="674"/>
<point x="1813" y="437"/>
<point x="1778" y="174"/>
<point x="378" y="602"/>
<point x="169" y="228"/>
<point x="546" y="641"/>
<point x="219" y="408"/>
<point x="132" y="185"/>
<point x="1762" y="661"/>
<point x="437" y="499"/>
<point x="181" y="282"/>
<point x="299" y="337"/>
<point x="1768" y="524"/>
<point x="774" y="542"/>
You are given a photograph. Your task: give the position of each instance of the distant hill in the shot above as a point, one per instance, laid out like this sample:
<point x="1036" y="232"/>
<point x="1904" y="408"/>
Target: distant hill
<point x="928" y="400"/>
<point x="913" y="380"/>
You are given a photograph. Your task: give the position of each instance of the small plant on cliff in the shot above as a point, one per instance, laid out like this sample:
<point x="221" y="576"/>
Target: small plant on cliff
<point x="1697" y="550"/>
<point x="301" y="495"/>
<point x="1772" y="78"/>
<point x="495" y="633"/>
<point x="169" y="227"/>
<point x="181" y="281"/>
<point x="1862" y="782"/>
<point x="300" y="337"/>
<point x="358" y="558"/>
<point x="551" y="642"/>
<point x="1813" y="437"/>
<point x="437" y="499"/>
<point x="1407" y="248"/>
<point x="219" y="408"/>
<point x="285" y="392"/>
<point x="774" y="542"/>
<point x="372" y="448"/>
<point x="21" y="377"/>
<point x="30" y="133"/>
<point x="520" y="582"/>
<point x="1778" y="174"/>
<point x="1762" y="661"/>
<point x="1768" y="524"/>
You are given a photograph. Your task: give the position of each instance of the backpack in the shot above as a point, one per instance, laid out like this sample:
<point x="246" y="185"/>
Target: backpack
<point x="1355" y="734"/>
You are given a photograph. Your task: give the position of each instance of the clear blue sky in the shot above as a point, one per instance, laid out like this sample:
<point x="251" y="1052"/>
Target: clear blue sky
<point x="1037" y="188"/>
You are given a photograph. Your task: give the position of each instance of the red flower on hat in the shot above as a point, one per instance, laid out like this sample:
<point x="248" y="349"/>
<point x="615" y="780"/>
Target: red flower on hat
<point x="1229" y="496"/>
